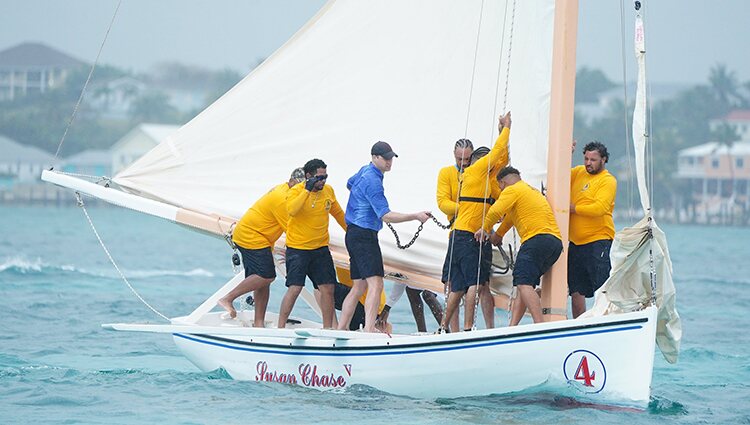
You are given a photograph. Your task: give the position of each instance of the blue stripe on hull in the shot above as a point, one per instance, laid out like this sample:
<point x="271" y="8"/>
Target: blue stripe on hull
<point x="391" y="350"/>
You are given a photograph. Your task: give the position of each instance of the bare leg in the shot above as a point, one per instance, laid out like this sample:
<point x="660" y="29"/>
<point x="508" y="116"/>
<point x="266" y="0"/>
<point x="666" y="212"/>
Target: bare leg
<point x="577" y="304"/>
<point x="470" y="307"/>
<point x="517" y="311"/>
<point x="287" y="303"/>
<point x="454" y="298"/>
<point x="261" y="303"/>
<point x="326" y="304"/>
<point x="488" y="305"/>
<point x="359" y="287"/>
<point x="431" y="300"/>
<point x="452" y="319"/>
<point x="372" y="302"/>
<point x="417" y="308"/>
<point x="532" y="301"/>
<point x="250" y="283"/>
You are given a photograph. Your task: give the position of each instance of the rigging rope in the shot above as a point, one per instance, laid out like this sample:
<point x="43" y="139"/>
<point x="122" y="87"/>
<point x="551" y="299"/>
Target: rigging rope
<point x="626" y="121"/>
<point x="79" y="199"/>
<point x="85" y="85"/>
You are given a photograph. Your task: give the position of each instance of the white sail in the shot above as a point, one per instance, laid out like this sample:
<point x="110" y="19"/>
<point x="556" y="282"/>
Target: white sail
<point x="417" y="74"/>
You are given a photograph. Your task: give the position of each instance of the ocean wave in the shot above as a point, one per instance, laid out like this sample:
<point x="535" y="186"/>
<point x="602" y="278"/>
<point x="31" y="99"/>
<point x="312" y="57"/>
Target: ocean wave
<point x="18" y="265"/>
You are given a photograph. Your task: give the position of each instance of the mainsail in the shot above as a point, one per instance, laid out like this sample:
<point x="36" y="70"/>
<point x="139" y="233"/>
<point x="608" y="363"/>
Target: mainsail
<point x="417" y="74"/>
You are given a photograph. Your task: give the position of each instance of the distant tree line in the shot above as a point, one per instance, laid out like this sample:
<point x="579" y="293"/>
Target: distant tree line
<point x="39" y="119"/>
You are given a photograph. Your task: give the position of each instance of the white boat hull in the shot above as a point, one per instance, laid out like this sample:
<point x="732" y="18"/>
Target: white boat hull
<point x="609" y="358"/>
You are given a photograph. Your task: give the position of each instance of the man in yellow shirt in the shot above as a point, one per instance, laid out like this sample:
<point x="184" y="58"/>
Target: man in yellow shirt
<point x="524" y="207"/>
<point x="309" y="205"/>
<point x="469" y="260"/>
<point x="254" y="236"/>
<point x="592" y="200"/>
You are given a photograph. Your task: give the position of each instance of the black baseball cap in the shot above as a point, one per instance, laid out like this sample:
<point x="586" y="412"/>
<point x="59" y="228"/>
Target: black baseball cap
<point x="383" y="149"/>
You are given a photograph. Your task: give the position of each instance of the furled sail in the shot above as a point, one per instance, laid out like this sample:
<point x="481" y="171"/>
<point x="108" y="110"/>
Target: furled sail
<point x="641" y="267"/>
<point x="418" y="74"/>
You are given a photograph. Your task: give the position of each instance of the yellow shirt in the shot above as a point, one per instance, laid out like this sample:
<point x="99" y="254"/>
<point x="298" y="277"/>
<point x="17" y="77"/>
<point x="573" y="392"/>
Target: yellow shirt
<point x="264" y="222"/>
<point x="594" y="198"/>
<point x="308" y="216"/>
<point x="478" y="184"/>
<point x="526" y="208"/>
<point x="447" y="190"/>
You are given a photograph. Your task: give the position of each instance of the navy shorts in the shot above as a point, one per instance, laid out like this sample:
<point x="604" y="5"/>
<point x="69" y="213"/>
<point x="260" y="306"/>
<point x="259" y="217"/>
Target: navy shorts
<point x="588" y="267"/>
<point x="258" y="261"/>
<point x="535" y="257"/>
<point x="463" y="265"/>
<point x="365" y="258"/>
<point x="314" y="263"/>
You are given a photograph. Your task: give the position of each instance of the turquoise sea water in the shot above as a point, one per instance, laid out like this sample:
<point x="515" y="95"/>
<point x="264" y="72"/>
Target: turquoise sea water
<point x="58" y="366"/>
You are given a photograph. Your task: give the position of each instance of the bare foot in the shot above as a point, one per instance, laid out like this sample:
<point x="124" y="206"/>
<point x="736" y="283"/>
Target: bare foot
<point x="259" y="324"/>
<point x="227" y="305"/>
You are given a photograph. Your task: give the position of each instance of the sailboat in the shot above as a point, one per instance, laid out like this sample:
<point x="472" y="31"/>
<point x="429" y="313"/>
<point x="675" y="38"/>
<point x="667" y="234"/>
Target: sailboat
<point x="418" y="74"/>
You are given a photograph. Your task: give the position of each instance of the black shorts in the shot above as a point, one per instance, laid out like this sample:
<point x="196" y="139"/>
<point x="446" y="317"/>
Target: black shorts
<point x="588" y="267"/>
<point x="463" y="265"/>
<point x="365" y="258"/>
<point x="314" y="263"/>
<point x="535" y="257"/>
<point x="258" y="261"/>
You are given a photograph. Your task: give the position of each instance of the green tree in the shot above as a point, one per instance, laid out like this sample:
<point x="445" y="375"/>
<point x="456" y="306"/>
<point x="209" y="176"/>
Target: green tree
<point x="590" y="83"/>
<point x="153" y="107"/>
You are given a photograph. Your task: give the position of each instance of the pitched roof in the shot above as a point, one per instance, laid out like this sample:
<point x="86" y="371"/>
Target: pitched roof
<point x="738" y="115"/>
<point x="28" y="55"/>
<point x="156" y="132"/>
<point x="714" y="148"/>
<point x="15" y="152"/>
<point x="90" y="157"/>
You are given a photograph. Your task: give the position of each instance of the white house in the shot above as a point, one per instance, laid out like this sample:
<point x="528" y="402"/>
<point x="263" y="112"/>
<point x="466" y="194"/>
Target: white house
<point x="33" y="68"/>
<point x="21" y="164"/>
<point x="739" y="119"/>
<point x="137" y="142"/>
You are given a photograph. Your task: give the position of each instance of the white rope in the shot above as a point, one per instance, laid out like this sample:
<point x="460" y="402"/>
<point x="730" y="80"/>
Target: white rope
<point x="85" y="85"/>
<point x="626" y="118"/>
<point x="111" y="260"/>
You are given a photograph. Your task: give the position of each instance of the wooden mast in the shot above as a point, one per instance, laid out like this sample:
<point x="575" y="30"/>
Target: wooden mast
<point x="562" y="97"/>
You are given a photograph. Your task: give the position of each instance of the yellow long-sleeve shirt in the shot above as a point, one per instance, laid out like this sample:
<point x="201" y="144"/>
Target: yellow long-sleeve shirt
<point x="594" y="198"/>
<point x="448" y="183"/>
<point x="475" y="184"/>
<point x="524" y="207"/>
<point x="262" y="224"/>
<point x="308" y="216"/>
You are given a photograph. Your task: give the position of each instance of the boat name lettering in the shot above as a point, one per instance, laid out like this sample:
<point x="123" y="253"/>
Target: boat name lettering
<point x="263" y="374"/>
<point x="310" y="378"/>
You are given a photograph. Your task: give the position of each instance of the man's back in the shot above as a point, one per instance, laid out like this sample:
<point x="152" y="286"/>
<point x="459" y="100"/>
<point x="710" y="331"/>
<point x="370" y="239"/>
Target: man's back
<point x="525" y="208"/>
<point x="265" y="221"/>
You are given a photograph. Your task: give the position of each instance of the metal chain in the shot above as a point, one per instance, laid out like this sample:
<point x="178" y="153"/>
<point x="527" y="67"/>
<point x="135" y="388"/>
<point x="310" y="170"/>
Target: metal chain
<point x="79" y="199"/>
<point x="416" y="234"/>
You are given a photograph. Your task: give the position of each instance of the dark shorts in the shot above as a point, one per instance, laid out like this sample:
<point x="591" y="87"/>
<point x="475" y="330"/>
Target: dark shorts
<point x="365" y="258"/>
<point x="535" y="257"/>
<point x="588" y="267"/>
<point x="258" y="261"/>
<point x="463" y="265"/>
<point x="339" y="295"/>
<point x="314" y="263"/>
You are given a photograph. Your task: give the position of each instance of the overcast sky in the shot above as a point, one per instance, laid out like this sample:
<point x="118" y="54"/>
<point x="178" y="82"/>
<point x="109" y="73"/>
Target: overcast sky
<point x="685" y="38"/>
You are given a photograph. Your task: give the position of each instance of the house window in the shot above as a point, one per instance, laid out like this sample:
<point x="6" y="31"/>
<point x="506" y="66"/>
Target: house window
<point x="740" y="162"/>
<point x="742" y="187"/>
<point x="715" y="163"/>
<point x="713" y="186"/>
<point x="700" y="160"/>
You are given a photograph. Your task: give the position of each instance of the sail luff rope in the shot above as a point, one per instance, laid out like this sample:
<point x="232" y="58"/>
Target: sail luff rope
<point x="85" y="85"/>
<point x="626" y="118"/>
<point x="650" y="180"/>
<point x="112" y="260"/>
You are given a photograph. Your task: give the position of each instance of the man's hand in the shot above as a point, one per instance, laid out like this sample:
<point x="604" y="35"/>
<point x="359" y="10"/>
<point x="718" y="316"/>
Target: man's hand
<point x="422" y="216"/>
<point x="382" y="319"/>
<point x="480" y="235"/>
<point x="496" y="239"/>
<point x="504" y="122"/>
<point x="572" y="208"/>
<point x="573" y="147"/>
<point x="310" y="183"/>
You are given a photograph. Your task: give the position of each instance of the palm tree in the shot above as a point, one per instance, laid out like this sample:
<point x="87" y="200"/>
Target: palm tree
<point x="724" y="84"/>
<point x="726" y="134"/>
